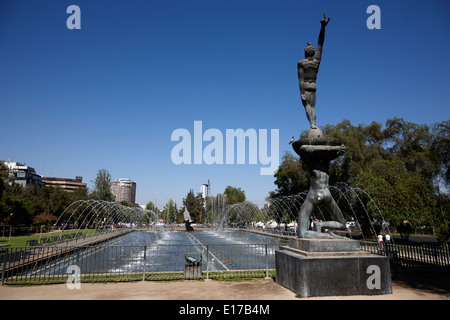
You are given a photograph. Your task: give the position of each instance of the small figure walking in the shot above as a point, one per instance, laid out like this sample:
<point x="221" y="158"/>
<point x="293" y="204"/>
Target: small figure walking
<point x="380" y="238"/>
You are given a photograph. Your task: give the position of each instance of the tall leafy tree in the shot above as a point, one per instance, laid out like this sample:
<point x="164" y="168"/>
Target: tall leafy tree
<point x="234" y="195"/>
<point x="440" y="155"/>
<point x="400" y="195"/>
<point x="363" y="144"/>
<point x="170" y="212"/>
<point x="3" y="176"/>
<point x="410" y="142"/>
<point x="291" y="176"/>
<point x="195" y="205"/>
<point x="151" y="206"/>
<point x="101" y="186"/>
<point x="16" y="209"/>
<point x="51" y="200"/>
<point x="402" y="166"/>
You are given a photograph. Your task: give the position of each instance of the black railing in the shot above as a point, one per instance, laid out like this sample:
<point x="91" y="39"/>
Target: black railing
<point x="52" y="264"/>
<point x="412" y="256"/>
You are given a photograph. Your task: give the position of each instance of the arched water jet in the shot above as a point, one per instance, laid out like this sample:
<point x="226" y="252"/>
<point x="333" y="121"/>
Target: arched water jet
<point x="346" y="186"/>
<point x="98" y="203"/>
<point x="81" y="202"/>
<point x="376" y="206"/>
<point x="351" y="208"/>
<point x="280" y="213"/>
<point x="89" y="211"/>
<point x="104" y="206"/>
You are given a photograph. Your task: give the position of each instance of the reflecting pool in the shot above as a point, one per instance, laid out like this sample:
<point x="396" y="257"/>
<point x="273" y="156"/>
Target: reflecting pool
<point x="165" y="251"/>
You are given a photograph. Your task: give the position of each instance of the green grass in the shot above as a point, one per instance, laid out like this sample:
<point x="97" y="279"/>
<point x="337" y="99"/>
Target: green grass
<point x="60" y="279"/>
<point x="21" y="241"/>
<point x="127" y="277"/>
<point x="239" y="275"/>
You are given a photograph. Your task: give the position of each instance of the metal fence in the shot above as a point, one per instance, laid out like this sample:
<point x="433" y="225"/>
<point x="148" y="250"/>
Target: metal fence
<point x="412" y="256"/>
<point x="38" y="265"/>
<point x="103" y="262"/>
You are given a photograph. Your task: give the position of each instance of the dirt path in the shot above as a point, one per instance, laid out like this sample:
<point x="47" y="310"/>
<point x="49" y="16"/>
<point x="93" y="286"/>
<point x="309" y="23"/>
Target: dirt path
<point x="262" y="289"/>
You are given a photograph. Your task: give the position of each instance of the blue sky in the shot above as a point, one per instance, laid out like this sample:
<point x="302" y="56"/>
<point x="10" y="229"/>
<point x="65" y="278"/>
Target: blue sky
<point x="111" y="94"/>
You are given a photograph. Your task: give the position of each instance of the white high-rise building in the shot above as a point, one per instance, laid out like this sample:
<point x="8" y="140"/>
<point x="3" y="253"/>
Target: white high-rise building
<point x="205" y="189"/>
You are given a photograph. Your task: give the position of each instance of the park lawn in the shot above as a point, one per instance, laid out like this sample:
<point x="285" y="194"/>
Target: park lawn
<point x="21" y="241"/>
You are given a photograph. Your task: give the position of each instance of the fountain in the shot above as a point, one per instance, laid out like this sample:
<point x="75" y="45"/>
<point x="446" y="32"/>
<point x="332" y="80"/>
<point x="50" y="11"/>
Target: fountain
<point x="279" y="215"/>
<point x="318" y="263"/>
<point x="149" y="250"/>
<point x="101" y="215"/>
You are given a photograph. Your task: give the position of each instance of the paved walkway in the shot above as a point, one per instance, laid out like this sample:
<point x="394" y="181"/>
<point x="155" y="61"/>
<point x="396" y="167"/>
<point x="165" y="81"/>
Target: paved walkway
<point x="411" y="287"/>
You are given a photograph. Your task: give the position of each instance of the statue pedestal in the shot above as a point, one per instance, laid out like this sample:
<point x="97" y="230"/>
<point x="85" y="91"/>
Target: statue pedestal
<point x="329" y="267"/>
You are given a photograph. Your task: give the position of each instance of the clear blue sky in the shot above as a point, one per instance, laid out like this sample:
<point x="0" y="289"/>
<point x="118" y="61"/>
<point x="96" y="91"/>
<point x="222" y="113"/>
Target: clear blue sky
<point x="111" y="94"/>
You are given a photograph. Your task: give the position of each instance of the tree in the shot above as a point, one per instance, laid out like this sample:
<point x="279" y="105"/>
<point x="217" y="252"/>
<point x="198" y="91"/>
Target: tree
<point x="151" y="206"/>
<point x="363" y="144"/>
<point x="410" y="142"/>
<point x="440" y="151"/>
<point x="16" y="210"/>
<point x="402" y="168"/>
<point x="291" y="176"/>
<point x="400" y="195"/>
<point x="195" y="205"/>
<point x="3" y="176"/>
<point x="441" y="221"/>
<point x="51" y="200"/>
<point x="234" y="195"/>
<point x="101" y="186"/>
<point x="425" y="150"/>
<point x="44" y="219"/>
<point x="170" y="212"/>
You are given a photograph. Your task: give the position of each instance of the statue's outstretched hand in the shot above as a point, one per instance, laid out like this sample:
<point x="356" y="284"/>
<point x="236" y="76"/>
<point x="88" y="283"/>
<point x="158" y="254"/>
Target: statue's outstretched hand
<point x="324" y="20"/>
<point x="341" y="150"/>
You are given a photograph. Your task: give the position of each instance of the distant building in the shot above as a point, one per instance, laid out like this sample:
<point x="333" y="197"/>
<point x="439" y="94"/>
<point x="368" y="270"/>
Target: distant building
<point x="205" y="189"/>
<point x="22" y="174"/>
<point x="123" y="190"/>
<point x="66" y="184"/>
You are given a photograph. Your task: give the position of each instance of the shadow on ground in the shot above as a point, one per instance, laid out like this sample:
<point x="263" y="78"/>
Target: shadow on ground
<point x="430" y="282"/>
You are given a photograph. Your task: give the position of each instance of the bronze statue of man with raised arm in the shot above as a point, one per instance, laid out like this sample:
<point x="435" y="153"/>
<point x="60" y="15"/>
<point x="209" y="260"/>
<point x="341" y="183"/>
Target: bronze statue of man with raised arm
<point x="319" y="261"/>
<point x="317" y="151"/>
<point x="307" y="74"/>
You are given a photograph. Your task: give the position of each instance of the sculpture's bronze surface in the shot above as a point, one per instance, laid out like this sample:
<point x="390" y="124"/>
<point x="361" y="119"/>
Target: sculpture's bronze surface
<point x="307" y="74"/>
<point x="317" y="151"/>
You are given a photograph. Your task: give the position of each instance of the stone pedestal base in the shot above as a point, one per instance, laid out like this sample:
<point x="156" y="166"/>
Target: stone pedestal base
<point x="318" y="271"/>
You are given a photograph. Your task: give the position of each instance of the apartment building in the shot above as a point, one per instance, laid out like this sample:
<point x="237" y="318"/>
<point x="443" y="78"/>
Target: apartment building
<point x="68" y="185"/>
<point x="22" y="174"/>
<point x="124" y="190"/>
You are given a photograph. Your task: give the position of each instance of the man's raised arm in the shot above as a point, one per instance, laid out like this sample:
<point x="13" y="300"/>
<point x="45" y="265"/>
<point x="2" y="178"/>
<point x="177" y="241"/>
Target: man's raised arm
<point x="324" y="23"/>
